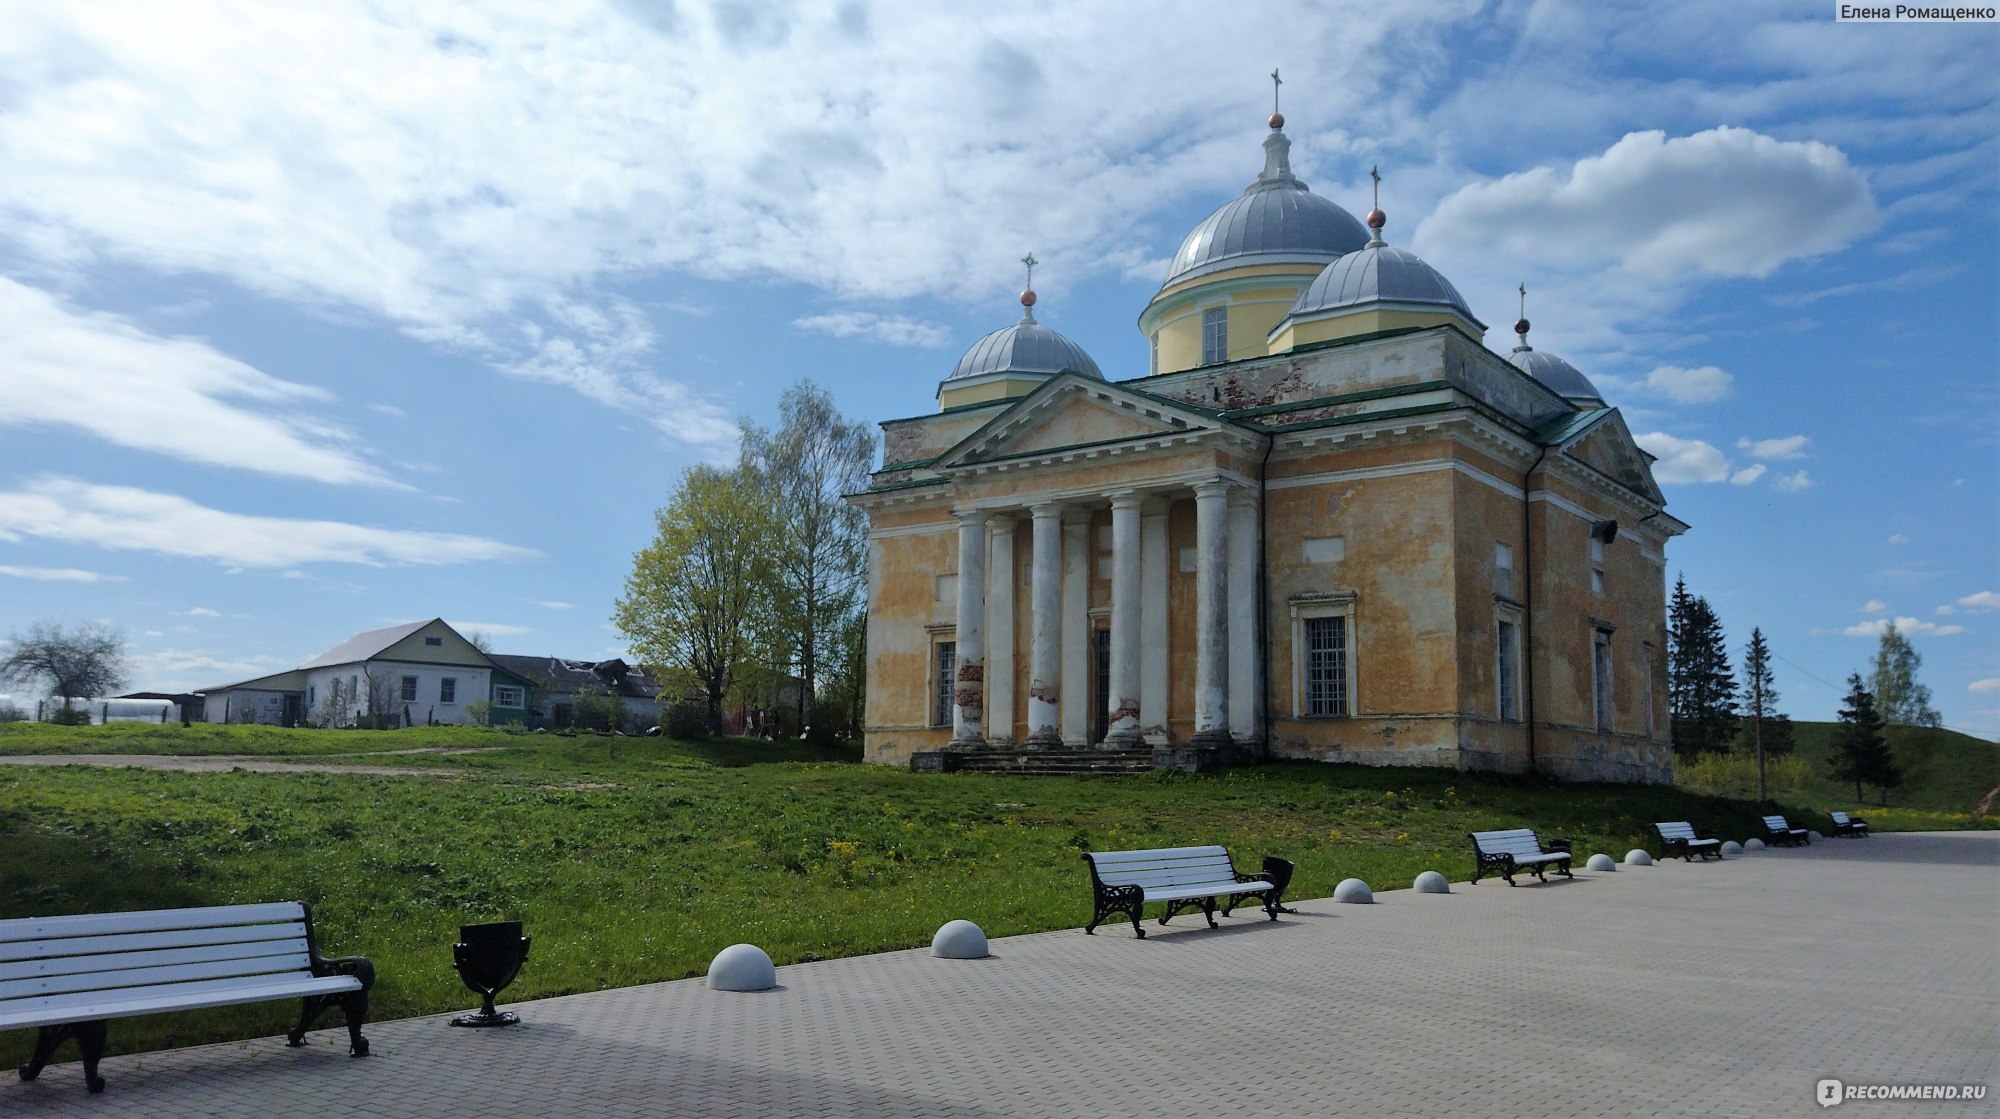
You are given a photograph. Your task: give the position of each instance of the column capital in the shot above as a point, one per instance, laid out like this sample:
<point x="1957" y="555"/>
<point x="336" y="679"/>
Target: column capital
<point x="970" y="516"/>
<point x="1212" y="487"/>
<point x="1000" y="522"/>
<point x="1242" y="496"/>
<point x="1126" y="499"/>
<point x="1046" y="510"/>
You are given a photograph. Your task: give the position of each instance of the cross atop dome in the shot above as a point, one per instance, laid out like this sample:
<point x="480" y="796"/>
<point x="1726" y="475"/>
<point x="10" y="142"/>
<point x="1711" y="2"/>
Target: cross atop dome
<point x="1028" y="289"/>
<point x="1277" y="118"/>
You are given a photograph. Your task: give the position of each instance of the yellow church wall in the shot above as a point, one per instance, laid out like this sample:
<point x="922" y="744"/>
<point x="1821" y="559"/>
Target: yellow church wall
<point x="1257" y="298"/>
<point x="1359" y="323"/>
<point x="904" y="612"/>
<point x="1001" y="388"/>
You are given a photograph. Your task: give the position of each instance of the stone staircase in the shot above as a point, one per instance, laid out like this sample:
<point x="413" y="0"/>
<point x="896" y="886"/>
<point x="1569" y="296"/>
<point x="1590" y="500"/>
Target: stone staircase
<point x="1047" y="763"/>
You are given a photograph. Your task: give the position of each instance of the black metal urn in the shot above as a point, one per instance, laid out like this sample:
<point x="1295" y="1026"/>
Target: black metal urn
<point x="488" y="958"/>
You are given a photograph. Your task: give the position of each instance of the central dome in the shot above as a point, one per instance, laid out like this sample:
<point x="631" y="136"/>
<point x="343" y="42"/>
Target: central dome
<point x="1276" y="220"/>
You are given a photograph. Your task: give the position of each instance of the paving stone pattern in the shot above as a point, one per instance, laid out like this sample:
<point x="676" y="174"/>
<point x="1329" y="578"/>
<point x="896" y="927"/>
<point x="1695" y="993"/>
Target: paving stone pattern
<point x="1719" y="989"/>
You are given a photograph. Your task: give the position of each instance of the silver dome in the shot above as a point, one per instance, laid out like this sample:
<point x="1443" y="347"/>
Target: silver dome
<point x="1554" y="373"/>
<point x="1025" y="347"/>
<point x="1275" y="220"/>
<point x="1379" y="274"/>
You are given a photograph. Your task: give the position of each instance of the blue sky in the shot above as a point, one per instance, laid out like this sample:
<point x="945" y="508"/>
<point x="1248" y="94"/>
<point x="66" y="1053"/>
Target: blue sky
<point x="320" y="319"/>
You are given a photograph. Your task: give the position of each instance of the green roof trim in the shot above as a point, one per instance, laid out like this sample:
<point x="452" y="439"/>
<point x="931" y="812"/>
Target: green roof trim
<point x="1564" y="428"/>
<point x="909" y="485"/>
<point x="908" y="464"/>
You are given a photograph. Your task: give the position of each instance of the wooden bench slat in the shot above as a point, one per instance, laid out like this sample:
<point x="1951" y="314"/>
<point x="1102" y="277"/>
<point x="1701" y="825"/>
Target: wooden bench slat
<point x="144" y="941"/>
<point x="1169" y="874"/>
<point x="158" y="957"/>
<point x="105" y="924"/>
<point x="262" y="966"/>
<point x="88" y="1006"/>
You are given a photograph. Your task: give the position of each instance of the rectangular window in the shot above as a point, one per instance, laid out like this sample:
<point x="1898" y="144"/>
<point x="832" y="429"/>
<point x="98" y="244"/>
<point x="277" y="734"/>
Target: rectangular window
<point x="1325" y="665"/>
<point x="946" y="654"/>
<point x="312" y="696"/>
<point x="1503" y="557"/>
<point x="1508" y="681"/>
<point x="1601" y="677"/>
<point x="434" y="642"/>
<point x="1214" y="335"/>
<point x="1597" y="580"/>
<point x="448" y="690"/>
<point x="506" y="695"/>
<point x="1156" y="353"/>
<point x="409" y="689"/>
<point x="1100" y="707"/>
<point x="1596" y="552"/>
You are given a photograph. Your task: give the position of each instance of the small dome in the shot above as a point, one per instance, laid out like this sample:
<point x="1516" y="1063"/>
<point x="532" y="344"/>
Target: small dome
<point x="1276" y="220"/>
<point x="1566" y="380"/>
<point x="1025" y="347"/>
<point x="1379" y="275"/>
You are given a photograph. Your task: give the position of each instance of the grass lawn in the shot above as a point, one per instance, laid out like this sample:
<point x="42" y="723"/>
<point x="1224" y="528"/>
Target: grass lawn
<point x="635" y="860"/>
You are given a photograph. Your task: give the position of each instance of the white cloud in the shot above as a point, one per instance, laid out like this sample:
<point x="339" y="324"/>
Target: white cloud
<point x="1748" y="475"/>
<point x="171" y="670"/>
<point x="490" y="629"/>
<point x="1649" y="205"/>
<point x="1790" y="447"/>
<point x="126" y="518"/>
<point x="200" y="612"/>
<point x="1989" y="684"/>
<point x="1907" y="626"/>
<point x="1684" y="460"/>
<point x="1983" y="600"/>
<point x="1945" y="609"/>
<point x="1875" y="606"/>
<point x="1897" y="540"/>
<point x="102" y="374"/>
<point x="390" y="410"/>
<point x="58" y="574"/>
<point x="893" y="329"/>
<point x="1689" y="386"/>
<point x="1793" y="483"/>
<point x="552" y="605"/>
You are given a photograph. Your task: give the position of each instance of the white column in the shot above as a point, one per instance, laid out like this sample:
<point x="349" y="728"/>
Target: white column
<point x="1246" y="661"/>
<point x="1153" y="567"/>
<point x="1076" y="628"/>
<point x="968" y="689"/>
<point x="1211" y="614"/>
<point x="1122" y="729"/>
<point x="1045" y="600"/>
<point x="1000" y="579"/>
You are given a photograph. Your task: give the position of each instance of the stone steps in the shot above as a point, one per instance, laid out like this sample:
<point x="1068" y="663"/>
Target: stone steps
<point x="1106" y="763"/>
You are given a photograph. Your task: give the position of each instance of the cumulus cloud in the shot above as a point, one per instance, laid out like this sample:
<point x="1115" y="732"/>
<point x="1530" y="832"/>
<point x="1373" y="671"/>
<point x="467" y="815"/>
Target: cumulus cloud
<point x="126" y="518"/>
<point x="1790" y="447"/>
<point x="1793" y="483"/>
<point x="200" y="612"/>
<point x="893" y="329"/>
<point x="1688" y="386"/>
<point x="1907" y="626"/>
<point x="102" y="374"/>
<point x="1684" y="460"/>
<point x="58" y="574"/>
<point x="1875" y="606"/>
<point x="1989" y="684"/>
<point x="174" y="670"/>
<point x="1748" y="475"/>
<point x="553" y="605"/>
<point x="1983" y="600"/>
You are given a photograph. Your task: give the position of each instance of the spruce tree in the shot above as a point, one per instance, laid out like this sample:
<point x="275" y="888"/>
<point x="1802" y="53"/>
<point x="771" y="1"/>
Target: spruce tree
<point x="1760" y="698"/>
<point x="1701" y="686"/>
<point x="1860" y="752"/>
<point x="1899" y="698"/>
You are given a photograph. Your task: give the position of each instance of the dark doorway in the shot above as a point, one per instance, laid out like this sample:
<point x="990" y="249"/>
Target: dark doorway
<point x="1100" y="675"/>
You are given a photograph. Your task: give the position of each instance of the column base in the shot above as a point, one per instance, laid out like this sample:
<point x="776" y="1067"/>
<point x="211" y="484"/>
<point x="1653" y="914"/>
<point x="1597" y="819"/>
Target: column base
<point x="1217" y="739"/>
<point x="1049" y="740"/>
<point x="1188" y="759"/>
<point x="1123" y="740"/>
<point x="966" y="745"/>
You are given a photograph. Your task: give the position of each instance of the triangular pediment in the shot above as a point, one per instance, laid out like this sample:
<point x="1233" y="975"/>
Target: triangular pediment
<point x="1069" y="412"/>
<point x="1606" y="446"/>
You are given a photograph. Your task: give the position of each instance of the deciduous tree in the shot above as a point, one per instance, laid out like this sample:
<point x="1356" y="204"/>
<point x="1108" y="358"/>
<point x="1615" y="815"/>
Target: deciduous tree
<point x="1900" y="699"/>
<point x="72" y="663"/>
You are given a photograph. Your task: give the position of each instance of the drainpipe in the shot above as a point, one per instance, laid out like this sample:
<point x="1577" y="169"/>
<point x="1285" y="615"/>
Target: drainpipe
<point x="1262" y="632"/>
<point x="1528" y="601"/>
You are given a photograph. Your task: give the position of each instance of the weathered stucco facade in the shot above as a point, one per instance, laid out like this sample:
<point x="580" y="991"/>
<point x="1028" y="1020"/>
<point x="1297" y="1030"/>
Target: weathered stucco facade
<point x="1387" y="545"/>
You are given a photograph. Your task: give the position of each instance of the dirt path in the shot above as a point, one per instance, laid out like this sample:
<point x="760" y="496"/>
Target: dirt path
<point x="221" y="764"/>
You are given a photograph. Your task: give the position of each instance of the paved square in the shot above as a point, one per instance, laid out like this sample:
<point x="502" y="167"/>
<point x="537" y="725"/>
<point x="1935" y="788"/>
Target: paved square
<point x="1725" y="989"/>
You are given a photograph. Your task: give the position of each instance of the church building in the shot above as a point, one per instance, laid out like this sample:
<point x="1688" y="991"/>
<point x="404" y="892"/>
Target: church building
<point x="1328" y="523"/>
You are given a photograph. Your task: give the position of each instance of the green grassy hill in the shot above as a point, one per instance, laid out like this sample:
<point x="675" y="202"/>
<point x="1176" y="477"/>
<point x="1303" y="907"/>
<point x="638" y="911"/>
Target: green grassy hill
<point x="1943" y="771"/>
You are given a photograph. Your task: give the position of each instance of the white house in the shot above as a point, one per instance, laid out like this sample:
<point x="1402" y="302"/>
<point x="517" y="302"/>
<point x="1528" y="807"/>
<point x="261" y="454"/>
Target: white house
<point x="414" y="673"/>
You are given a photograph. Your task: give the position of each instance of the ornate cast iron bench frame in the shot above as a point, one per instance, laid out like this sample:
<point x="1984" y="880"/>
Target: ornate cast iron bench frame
<point x="1508" y="852"/>
<point x="1853" y="827"/>
<point x="69" y="976"/>
<point x="1780" y="831"/>
<point x="1678" y="837"/>
<point x="1183" y="877"/>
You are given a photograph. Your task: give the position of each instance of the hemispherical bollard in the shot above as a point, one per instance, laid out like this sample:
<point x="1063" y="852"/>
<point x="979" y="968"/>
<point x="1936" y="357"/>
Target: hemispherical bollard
<point x="742" y="967"/>
<point x="1753" y="845"/>
<point x="1731" y="847"/>
<point x="1637" y="857"/>
<point x="1600" y="861"/>
<point x="1353" y="891"/>
<point x="1431" y="882"/>
<point x="959" y="940"/>
<point x="1814" y="836"/>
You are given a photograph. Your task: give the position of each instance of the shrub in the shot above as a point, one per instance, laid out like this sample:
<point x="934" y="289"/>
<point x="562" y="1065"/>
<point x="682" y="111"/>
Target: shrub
<point x="686" y="721"/>
<point x="70" y="716"/>
<point x="11" y="714"/>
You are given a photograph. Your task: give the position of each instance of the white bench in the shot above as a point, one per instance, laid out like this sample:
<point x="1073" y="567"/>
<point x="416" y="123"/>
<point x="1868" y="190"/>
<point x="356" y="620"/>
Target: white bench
<point x="1780" y="831"/>
<point x="1852" y="826"/>
<point x="1505" y="852"/>
<point x="1680" y="838"/>
<point x="69" y="976"/>
<point x="1124" y="881"/>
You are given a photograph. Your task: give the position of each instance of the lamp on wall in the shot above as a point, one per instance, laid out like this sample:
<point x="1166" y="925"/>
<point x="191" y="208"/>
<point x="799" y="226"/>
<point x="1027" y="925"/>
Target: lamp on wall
<point x="1606" y="531"/>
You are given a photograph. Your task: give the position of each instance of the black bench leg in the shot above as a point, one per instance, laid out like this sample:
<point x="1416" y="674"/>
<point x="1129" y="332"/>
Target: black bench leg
<point x="1137" y="931"/>
<point x="355" y="1007"/>
<point x="1208" y="911"/>
<point x="89" y="1041"/>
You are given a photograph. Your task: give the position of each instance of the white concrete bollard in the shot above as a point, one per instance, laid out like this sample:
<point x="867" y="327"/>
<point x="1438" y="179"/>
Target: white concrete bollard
<point x="1753" y="845"/>
<point x="1638" y="857"/>
<point x="1814" y="836"/>
<point x="1731" y="847"/>
<point x="1354" y="892"/>
<point x="1431" y="882"/>
<point x="1600" y="861"/>
<point x="959" y="940"/>
<point x="742" y="967"/>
